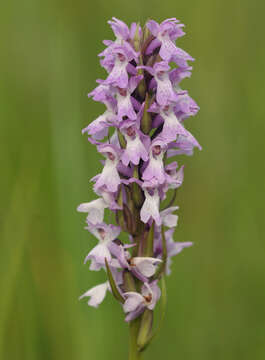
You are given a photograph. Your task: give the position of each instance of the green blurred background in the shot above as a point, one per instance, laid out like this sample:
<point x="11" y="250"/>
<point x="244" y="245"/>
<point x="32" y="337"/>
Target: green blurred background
<point x="216" y="293"/>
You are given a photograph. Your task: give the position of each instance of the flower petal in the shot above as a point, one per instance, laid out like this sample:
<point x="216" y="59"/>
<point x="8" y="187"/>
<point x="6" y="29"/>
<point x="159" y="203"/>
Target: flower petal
<point x="96" y="294"/>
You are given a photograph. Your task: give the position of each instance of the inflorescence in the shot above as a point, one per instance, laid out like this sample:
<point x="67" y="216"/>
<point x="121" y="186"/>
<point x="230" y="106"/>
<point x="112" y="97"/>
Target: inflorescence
<point x="139" y="133"/>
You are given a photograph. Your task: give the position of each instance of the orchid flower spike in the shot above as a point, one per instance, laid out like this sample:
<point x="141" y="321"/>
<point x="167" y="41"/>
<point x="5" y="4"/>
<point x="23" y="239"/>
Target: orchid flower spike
<point x="142" y="127"/>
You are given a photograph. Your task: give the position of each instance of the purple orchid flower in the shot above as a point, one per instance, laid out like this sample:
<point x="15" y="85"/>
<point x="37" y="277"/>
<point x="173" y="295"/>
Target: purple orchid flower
<point x="124" y="104"/>
<point x="141" y="267"/>
<point x="105" y="234"/>
<point x="150" y="208"/>
<point x="155" y="168"/>
<point x="123" y="36"/>
<point x="119" y="75"/>
<point x="136" y="303"/>
<point x="109" y="178"/>
<point x="172" y="127"/>
<point x="166" y="33"/>
<point x="137" y="145"/>
<point x="164" y="92"/>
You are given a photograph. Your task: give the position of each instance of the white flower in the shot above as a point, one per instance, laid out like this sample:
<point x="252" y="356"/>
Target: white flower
<point x="150" y="208"/>
<point x="155" y="168"/>
<point x="135" y="150"/>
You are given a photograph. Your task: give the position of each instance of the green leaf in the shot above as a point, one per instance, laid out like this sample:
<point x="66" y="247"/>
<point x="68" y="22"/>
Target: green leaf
<point x="113" y="286"/>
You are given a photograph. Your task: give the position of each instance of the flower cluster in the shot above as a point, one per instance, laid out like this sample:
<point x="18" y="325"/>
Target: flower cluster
<point x="140" y="131"/>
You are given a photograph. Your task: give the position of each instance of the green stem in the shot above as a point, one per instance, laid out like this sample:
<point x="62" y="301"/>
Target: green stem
<point x="134" y="354"/>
